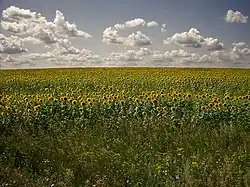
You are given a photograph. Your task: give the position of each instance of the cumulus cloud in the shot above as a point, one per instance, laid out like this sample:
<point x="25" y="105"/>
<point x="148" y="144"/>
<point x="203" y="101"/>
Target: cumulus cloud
<point x="138" y="39"/>
<point x="163" y="28"/>
<point x="45" y="35"/>
<point x="129" y="55"/>
<point x="17" y="14"/>
<point x="34" y="25"/>
<point x="192" y="38"/>
<point x="144" y="52"/>
<point x="11" y="45"/>
<point x="70" y="29"/>
<point x="213" y="44"/>
<point x="14" y="27"/>
<point x="226" y="56"/>
<point x="181" y="57"/>
<point x="172" y="57"/>
<point x="241" y="48"/>
<point x="131" y="24"/>
<point x="235" y="17"/>
<point x="31" y="40"/>
<point x="135" y="23"/>
<point x="176" y="53"/>
<point x="17" y="61"/>
<point x="152" y="24"/>
<point x="158" y="57"/>
<point x="65" y="52"/>
<point x="111" y="36"/>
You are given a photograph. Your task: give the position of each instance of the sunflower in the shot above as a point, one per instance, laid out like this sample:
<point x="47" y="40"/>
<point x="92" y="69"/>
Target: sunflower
<point x="155" y="101"/>
<point x="83" y="103"/>
<point x="36" y="108"/>
<point x="173" y="109"/>
<point x="203" y="108"/>
<point x="210" y="104"/>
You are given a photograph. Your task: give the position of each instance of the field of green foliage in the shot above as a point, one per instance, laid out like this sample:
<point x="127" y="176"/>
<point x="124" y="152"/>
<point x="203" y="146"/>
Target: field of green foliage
<point x="125" y="127"/>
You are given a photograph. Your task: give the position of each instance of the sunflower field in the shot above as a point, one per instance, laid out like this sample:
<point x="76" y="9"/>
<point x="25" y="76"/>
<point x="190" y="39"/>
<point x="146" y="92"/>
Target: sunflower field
<point x="125" y="127"/>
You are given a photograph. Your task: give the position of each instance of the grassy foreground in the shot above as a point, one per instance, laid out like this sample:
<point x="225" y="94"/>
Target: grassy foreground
<point x="125" y="127"/>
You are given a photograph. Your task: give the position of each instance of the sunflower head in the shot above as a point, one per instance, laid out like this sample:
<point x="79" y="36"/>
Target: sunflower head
<point x="83" y="103"/>
<point x="173" y="109"/>
<point x="155" y="101"/>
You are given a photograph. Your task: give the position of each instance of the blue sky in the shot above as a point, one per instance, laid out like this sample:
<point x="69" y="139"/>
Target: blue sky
<point x="94" y="16"/>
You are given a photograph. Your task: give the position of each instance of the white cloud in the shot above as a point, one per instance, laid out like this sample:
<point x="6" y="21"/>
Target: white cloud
<point x="11" y="45"/>
<point x="213" y="44"/>
<point x="163" y="28"/>
<point x="192" y="38"/>
<point x="70" y="29"/>
<point x="34" y="25"/>
<point x="31" y="40"/>
<point x="111" y="36"/>
<point x="17" y="61"/>
<point x="119" y="26"/>
<point x="45" y="35"/>
<point x="40" y="56"/>
<point x="176" y="53"/>
<point x="179" y="57"/>
<point x="241" y="48"/>
<point x="240" y="45"/>
<point x="14" y="27"/>
<point x="235" y="17"/>
<point x="144" y="52"/>
<point x="158" y="57"/>
<point x="129" y="55"/>
<point x="173" y="57"/>
<point x="152" y="24"/>
<point x="135" y="23"/>
<point x="138" y="39"/>
<point x="17" y="14"/>
<point x="226" y="56"/>
<point x="65" y="53"/>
